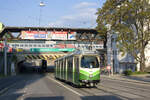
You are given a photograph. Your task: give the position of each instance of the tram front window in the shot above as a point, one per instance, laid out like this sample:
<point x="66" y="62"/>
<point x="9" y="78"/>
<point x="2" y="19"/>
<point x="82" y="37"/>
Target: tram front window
<point x="89" y="62"/>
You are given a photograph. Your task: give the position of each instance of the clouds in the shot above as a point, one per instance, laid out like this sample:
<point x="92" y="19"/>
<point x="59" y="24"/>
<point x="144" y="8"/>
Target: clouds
<point x="82" y="16"/>
<point x="84" y="5"/>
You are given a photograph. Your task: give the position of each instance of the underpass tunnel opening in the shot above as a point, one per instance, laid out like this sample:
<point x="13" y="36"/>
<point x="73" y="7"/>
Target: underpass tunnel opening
<point x="20" y="67"/>
<point x="35" y="66"/>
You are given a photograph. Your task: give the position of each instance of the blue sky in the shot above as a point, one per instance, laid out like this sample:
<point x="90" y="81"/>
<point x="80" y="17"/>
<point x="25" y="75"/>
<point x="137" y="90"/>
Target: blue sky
<point x="56" y="13"/>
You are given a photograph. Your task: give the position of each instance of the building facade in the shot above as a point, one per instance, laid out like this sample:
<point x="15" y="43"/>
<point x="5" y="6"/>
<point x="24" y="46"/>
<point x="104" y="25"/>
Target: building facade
<point x="118" y="62"/>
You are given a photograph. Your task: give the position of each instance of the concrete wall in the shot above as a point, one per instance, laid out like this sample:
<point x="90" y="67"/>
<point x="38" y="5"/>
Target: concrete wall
<point x="9" y="63"/>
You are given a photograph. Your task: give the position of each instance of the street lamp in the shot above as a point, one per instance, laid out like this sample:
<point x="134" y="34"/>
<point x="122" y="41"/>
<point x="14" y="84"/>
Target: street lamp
<point x="109" y="48"/>
<point x="41" y="5"/>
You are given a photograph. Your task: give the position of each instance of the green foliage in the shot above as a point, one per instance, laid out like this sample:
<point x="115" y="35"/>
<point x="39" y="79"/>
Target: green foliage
<point x="130" y="20"/>
<point x="2" y="75"/>
<point x="127" y="72"/>
<point x="138" y="73"/>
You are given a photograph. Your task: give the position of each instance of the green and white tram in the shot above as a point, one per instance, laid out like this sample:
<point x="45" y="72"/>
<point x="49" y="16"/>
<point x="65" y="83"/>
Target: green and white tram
<point x="79" y="68"/>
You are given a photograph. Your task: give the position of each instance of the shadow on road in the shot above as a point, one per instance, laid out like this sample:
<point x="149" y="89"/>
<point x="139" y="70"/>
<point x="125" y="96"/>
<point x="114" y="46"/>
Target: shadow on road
<point x="45" y="98"/>
<point x="105" y="97"/>
<point x="16" y="83"/>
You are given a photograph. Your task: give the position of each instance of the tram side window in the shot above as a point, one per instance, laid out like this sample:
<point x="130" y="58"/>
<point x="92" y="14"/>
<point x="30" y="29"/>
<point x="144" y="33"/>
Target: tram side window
<point x="76" y="63"/>
<point x="70" y="64"/>
<point x="62" y="65"/>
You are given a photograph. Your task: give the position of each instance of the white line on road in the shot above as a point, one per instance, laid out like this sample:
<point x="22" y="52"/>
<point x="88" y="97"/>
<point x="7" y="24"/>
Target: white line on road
<point x="6" y="89"/>
<point x="66" y="87"/>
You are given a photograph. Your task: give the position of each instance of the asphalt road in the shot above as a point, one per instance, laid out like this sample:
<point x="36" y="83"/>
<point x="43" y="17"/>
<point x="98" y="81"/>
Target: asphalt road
<point x="45" y="87"/>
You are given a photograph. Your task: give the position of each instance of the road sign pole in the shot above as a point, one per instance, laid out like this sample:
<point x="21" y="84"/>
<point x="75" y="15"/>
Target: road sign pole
<point x="5" y="56"/>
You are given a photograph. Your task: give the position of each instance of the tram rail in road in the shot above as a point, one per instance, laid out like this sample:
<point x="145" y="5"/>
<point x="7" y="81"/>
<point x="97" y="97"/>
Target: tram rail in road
<point x="107" y="89"/>
<point x="125" y="80"/>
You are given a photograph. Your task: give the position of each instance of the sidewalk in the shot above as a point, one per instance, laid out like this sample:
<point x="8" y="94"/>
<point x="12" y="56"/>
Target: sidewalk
<point x="145" y="79"/>
<point x="6" y="82"/>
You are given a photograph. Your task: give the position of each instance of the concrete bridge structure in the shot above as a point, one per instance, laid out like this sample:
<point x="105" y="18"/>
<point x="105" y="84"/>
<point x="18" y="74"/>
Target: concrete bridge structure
<point x="58" y="42"/>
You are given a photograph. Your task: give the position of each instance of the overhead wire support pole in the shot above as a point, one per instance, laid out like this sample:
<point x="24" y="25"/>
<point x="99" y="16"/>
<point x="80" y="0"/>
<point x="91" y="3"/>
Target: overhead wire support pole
<point x="41" y="5"/>
<point x="5" y="57"/>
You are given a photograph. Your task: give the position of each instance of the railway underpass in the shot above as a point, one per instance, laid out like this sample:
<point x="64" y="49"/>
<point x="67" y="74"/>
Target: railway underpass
<point x="31" y="45"/>
<point x="35" y="86"/>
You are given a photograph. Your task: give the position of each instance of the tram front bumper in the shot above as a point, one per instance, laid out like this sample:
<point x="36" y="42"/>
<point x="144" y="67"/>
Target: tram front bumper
<point x="89" y="81"/>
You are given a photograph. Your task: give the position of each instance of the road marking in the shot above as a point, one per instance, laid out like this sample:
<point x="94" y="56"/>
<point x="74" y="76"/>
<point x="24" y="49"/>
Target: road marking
<point x="66" y="87"/>
<point x="7" y="88"/>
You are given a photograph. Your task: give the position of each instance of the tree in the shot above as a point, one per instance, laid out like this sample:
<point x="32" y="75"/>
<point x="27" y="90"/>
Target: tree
<point x="130" y="20"/>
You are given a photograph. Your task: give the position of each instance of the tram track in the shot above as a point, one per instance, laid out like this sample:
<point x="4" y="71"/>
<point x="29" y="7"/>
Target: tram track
<point x="110" y="89"/>
<point x="127" y="81"/>
<point x="119" y="92"/>
<point x="92" y="93"/>
<point x="129" y="87"/>
<point x="107" y="89"/>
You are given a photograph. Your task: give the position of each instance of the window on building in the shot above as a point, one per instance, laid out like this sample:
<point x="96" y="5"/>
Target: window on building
<point x="47" y="45"/>
<point x="13" y="45"/>
<point x="39" y="45"/>
<point x="16" y="45"/>
<point x="30" y="45"/>
<point x="35" y="45"/>
<point x="26" y="45"/>
<point x="51" y="45"/>
<point x="21" y="45"/>
<point x="43" y="45"/>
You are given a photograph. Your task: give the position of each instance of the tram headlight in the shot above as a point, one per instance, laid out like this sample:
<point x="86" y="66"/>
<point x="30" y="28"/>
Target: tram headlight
<point x="91" y="75"/>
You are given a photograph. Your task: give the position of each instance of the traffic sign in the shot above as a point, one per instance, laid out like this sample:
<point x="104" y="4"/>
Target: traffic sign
<point x="108" y="67"/>
<point x="1" y="45"/>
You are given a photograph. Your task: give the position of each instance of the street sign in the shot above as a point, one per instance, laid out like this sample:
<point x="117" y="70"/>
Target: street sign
<point x="51" y="49"/>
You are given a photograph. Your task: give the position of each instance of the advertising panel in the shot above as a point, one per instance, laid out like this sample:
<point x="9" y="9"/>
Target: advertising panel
<point x="59" y="35"/>
<point x="64" y="46"/>
<point x="35" y="35"/>
<point x="55" y="35"/>
<point x="63" y="35"/>
<point x="72" y="36"/>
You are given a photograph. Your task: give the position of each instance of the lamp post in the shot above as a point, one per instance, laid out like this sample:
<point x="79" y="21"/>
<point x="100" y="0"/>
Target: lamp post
<point x="109" y="49"/>
<point x="41" y="5"/>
